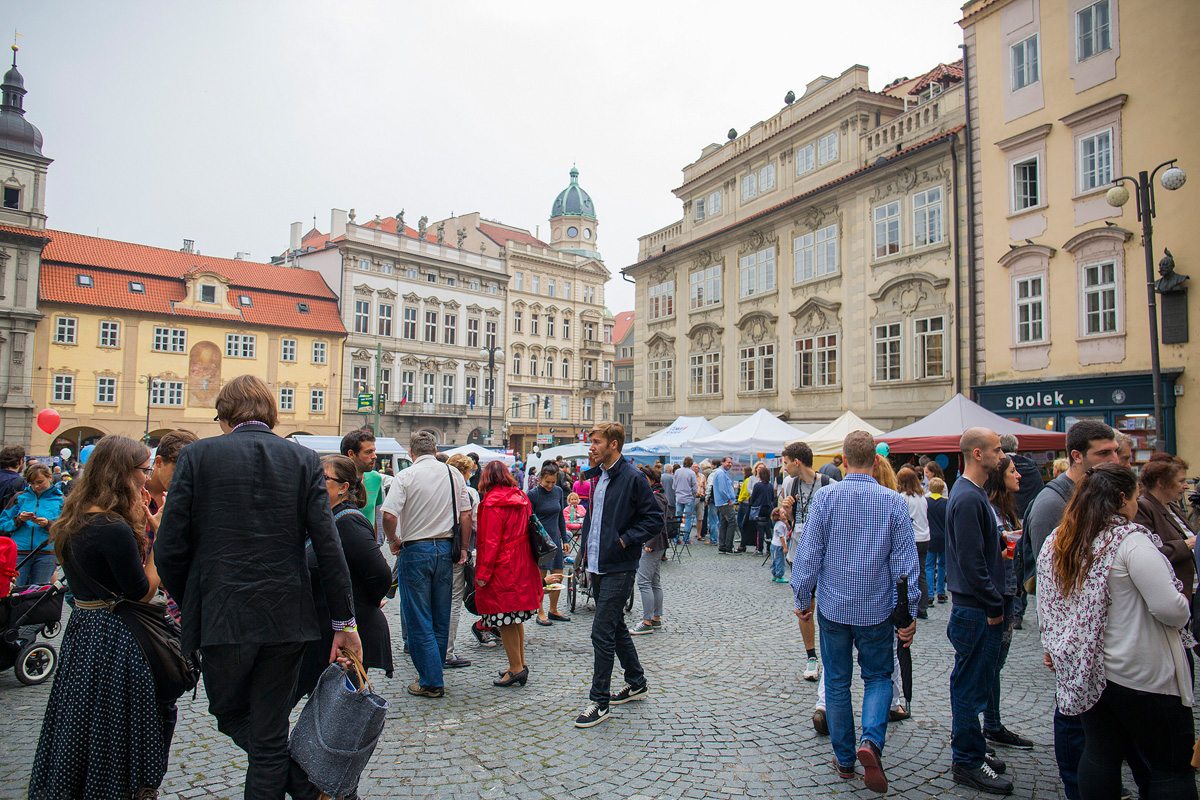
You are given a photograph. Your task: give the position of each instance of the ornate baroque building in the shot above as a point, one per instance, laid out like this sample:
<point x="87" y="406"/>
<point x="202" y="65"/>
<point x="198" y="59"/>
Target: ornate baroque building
<point x="815" y="267"/>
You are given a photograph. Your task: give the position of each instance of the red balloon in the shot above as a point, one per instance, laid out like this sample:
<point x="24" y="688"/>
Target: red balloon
<point x="48" y="420"/>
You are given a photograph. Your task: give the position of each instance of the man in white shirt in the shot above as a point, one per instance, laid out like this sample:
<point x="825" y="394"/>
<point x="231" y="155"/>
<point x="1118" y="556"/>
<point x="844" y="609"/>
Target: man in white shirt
<point x="418" y="520"/>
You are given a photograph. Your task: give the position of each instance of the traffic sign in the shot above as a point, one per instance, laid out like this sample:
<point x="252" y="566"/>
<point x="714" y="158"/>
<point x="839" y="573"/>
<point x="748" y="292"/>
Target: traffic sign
<point x="365" y="403"/>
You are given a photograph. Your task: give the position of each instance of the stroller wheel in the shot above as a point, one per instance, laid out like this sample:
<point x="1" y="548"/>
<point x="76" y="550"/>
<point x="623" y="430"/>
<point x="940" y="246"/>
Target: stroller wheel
<point x="51" y="630"/>
<point x="36" y="663"/>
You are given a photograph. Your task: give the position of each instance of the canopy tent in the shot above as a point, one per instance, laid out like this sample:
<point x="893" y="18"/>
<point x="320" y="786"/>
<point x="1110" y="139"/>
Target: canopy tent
<point x="727" y="421"/>
<point x="482" y="453"/>
<point x="384" y="446"/>
<point x="827" y="441"/>
<point x="940" y="431"/>
<point x="761" y="432"/>
<point x="675" y="437"/>
<point x="569" y="452"/>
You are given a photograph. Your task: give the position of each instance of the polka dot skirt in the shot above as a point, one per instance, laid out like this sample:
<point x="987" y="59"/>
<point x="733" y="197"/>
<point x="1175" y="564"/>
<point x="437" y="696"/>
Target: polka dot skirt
<point x="102" y="736"/>
<point x="506" y="618"/>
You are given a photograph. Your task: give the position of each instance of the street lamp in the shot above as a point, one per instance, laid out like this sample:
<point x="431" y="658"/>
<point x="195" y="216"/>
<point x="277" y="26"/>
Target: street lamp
<point x="152" y="383"/>
<point x="491" y="354"/>
<point x="1118" y="196"/>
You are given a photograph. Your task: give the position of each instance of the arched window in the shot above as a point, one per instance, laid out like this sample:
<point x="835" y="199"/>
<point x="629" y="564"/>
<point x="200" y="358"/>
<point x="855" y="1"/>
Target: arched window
<point x="516" y="363"/>
<point x="549" y="373"/>
<point x="532" y="365"/>
<point x="607" y="413"/>
<point x="566" y="372"/>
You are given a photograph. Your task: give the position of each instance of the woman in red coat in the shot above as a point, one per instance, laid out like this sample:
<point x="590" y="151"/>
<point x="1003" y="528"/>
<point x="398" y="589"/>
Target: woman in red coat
<point x="509" y="585"/>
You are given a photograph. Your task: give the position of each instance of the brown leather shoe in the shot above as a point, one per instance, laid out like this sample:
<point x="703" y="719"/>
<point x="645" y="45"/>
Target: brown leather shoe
<point x="870" y="758"/>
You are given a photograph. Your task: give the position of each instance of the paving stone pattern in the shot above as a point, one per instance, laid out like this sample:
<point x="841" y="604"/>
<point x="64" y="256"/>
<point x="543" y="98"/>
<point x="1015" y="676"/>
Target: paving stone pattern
<point x="727" y="715"/>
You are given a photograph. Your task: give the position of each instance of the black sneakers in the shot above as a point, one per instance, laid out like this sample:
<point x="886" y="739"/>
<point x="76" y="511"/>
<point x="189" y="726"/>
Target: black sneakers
<point x="998" y="766"/>
<point x="593" y="715"/>
<point x="983" y="778"/>
<point x="627" y="694"/>
<point x="1006" y="738"/>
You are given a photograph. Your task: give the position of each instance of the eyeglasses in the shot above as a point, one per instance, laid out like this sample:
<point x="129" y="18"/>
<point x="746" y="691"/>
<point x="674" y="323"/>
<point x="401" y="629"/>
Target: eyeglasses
<point x="147" y="470"/>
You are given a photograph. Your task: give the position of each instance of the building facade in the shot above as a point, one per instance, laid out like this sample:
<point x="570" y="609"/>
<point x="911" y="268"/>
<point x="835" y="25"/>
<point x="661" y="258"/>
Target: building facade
<point x="623" y="366"/>
<point x="22" y="236"/>
<point x="815" y="267"/>
<point x="138" y="340"/>
<point x="1067" y="95"/>
<point x="419" y="313"/>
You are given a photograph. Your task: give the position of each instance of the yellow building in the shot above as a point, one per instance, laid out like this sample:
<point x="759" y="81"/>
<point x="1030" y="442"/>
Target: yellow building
<point x="138" y="340"/>
<point x="1065" y="96"/>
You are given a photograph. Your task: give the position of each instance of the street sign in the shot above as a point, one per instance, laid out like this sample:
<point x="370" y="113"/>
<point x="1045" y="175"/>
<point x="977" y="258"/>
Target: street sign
<point x="365" y="403"/>
<point x="545" y="438"/>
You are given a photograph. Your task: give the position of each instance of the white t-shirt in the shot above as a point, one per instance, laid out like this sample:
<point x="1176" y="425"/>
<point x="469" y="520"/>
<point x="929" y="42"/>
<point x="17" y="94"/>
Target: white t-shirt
<point x="918" y="512"/>
<point x="780" y="534"/>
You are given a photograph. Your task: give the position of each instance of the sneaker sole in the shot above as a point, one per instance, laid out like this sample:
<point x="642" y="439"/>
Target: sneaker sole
<point x="630" y="699"/>
<point x="812" y="677"/>
<point x="963" y="780"/>
<point x="593" y="724"/>
<point x="873" y="775"/>
<point x="641" y="633"/>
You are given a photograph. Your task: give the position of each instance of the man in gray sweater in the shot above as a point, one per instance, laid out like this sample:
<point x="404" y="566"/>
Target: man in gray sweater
<point x="684" y="487"/>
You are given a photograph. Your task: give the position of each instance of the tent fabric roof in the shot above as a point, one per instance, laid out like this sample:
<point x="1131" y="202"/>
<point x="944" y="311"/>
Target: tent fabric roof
<point x="384" y="446"/>
<point x="761" y="432"/>
<point x="484" y="454"/>
<point x="940" y="431"/>
<point x="727" y="421"/>
<point x="678" y="434"/>
<point x="827" y="441"/>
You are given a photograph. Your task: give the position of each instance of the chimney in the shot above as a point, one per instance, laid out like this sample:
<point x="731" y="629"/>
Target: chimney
<point x="188" y="246"/>
<point x="337" y="223"/>
<point x="297" y="232"/>
<point x="242" y="255"/>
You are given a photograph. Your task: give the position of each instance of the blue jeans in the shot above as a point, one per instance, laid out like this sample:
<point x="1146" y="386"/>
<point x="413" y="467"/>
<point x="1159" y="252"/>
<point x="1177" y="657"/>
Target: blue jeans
<point x="778" y="566"/>
<point x="37" y="570"/>
<point x="1068" y="749"/>
<point x="976" y="650"/>
<point x="991" y="712"/>
<point x="713" y="527"/>
<point x="426" y="571"/>
<point x="874" y="644"/>
<point x="688" y="512"/>
<point x="610" y="637"/>
<point x="935" y="572"/>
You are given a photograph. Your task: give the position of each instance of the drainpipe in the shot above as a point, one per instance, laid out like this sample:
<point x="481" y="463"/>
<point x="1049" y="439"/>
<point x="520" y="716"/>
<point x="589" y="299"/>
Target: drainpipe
<point x="957" y="264"/>
<point x="971" y="254"/>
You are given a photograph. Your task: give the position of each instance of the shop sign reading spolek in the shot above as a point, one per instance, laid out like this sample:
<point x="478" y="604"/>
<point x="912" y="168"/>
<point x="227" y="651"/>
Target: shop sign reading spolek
<point x="1039" y="400"/>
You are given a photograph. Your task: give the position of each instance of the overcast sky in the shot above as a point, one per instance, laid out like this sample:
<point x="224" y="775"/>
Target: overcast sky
<point x="225" y="121"/>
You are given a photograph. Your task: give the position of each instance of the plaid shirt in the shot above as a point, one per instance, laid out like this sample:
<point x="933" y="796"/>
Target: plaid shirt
<point x="857" y="542"/>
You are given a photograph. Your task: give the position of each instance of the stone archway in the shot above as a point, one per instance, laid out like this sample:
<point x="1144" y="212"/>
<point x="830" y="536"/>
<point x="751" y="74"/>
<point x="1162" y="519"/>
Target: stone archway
<point x="75" y="439"/>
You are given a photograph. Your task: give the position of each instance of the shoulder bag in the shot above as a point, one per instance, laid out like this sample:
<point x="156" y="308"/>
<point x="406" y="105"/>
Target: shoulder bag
<point x="540" y="543"/>
<point x="456" y="536"/>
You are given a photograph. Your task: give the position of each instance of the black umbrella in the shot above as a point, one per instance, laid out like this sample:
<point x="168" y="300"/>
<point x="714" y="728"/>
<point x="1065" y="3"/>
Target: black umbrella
<point x="901" y="618"/>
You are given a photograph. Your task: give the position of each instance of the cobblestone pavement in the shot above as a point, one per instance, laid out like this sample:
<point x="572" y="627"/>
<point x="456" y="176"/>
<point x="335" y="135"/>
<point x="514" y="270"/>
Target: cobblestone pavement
<point x="727" y="716"/>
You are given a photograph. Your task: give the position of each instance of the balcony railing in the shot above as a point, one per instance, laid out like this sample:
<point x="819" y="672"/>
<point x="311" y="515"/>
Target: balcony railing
<point x="591" y="346"/>
<point x="597" y="386"/>
<point x="428" y="409"/>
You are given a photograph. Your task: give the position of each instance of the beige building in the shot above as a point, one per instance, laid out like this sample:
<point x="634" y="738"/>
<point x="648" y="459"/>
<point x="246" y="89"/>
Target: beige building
<point x="814" y="269"/>
<point x="1067" y="95"/>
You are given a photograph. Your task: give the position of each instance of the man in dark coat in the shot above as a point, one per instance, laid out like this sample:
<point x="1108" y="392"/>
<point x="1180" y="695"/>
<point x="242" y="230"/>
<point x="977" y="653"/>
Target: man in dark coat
<point x="231" y="550"/>
<point x="1031" y="476"/>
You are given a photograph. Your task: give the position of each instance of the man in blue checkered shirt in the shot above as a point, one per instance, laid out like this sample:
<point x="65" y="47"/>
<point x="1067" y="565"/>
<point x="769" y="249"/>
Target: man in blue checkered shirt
<point x="857" y="543"/>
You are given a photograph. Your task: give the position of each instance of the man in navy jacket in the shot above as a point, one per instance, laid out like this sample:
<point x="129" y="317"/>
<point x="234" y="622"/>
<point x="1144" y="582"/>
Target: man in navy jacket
<point x="624" y="516"/>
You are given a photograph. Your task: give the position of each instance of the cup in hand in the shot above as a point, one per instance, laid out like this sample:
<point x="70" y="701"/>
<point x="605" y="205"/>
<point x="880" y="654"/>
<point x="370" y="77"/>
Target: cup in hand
<point x="1010" y="542"/>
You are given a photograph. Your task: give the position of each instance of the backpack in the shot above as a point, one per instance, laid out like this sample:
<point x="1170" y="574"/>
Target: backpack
<point x="1026" y="564"/>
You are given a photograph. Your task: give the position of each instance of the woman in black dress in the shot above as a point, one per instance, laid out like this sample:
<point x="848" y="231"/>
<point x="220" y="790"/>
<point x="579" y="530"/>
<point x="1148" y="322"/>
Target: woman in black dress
<point x="548" y="502"/>
<point x="105" y="734"/>
<point x="369" y="574"/>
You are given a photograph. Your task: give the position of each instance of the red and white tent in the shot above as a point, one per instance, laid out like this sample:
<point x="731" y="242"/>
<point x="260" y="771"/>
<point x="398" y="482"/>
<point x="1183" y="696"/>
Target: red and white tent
<point x="940" y="431"/>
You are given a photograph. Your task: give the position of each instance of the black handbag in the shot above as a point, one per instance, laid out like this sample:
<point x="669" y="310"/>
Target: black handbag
<point x="469" y="589"/>
<point x="456" y="537"/>
<point x="543" y="547"/>
<point x="157" y="634"/>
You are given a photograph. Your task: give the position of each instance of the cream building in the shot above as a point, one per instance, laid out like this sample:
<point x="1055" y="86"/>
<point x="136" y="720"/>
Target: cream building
<point x="1065" y="96"/>
<point x="815" y="267"/>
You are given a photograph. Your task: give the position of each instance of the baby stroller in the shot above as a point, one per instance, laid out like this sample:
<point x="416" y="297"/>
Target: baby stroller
<point x="24" y="614"/>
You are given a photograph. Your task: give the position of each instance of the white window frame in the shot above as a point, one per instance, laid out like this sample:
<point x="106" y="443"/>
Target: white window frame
<point x="756" y="368"/>
<point x="428" y="387"/>
<point x="819" y="358"/>
<point x="806" y="158"/>
<point x="408" y="324"/>
<point x="431" y="327"/>
<point x="704" y="374"/>
<point x="929" y="333"/>
<point x="110" y="333"/>
<point x="815" y="254"/>
<point x="206" y="288"/>
<point x="892" y="342"/>
<point x="320" y="352"/>
<point x="408" y="385"/>
<point x="535" y="282"/>
<point x="384" y="323"/>
<point x="749" y="186"/>
<point x="489" y="334"/>
<point x="449" y="388"/>
<point x="518" y="281"/>
<point x="316" y="401"/>
<point x="360" y="378"/>
<point x="166" y="394"/>
<point x="589" y="408"/>
<point x="64" y="389"/>
<point x="66" y="330"/>
<point x="756" y="272"/>
<point x="518" y="322"/>
<point x="287" y="349"/>
<point x="1033" y="306"/>
<point x="928" y="220"/>
<point x="549" y="327"/>
<point x="473" y="333"/>
<point x="885" y="222"/>
<point x="564" y="408"/>
<point x="106" y="391"/>
<point x="240" y="345"/>
<point x="362" y="316"/>
<point x="170" y="340"/>
<point x="662" y="299"/>
<point x="1099" y="290"/>
<point x="449" y="329"/>
<point x="287" y="398"/>
<point x="1093" y="30"/>
<point x="827" y="148"/>
<point x="1036" y="160"/>
<point x="516" y="406"/>
<point x="700" y="280"/>
<point x="1025" y="48"/>
<point x="1099" y="175"/>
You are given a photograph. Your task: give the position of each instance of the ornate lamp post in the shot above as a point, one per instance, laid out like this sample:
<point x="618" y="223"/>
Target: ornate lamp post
<point x="491" y="354"/>
<point x="1118" y="196"/>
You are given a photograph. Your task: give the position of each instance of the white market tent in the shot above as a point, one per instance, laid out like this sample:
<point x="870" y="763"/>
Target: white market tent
<point x="574" y="451"/>
<point x="482" y="453"/>
<point x="675" y="440"/>
<point x="762" y="432"/>
<point x="384" y="446"/>
<point x="827" y="441"/>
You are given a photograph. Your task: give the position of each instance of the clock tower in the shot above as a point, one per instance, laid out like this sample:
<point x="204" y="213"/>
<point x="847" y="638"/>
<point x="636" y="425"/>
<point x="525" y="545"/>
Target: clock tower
<point x="573" y="220"/>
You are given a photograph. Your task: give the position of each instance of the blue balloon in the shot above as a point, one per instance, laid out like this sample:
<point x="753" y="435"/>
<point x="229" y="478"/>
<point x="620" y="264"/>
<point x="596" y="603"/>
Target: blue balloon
<point x="942" y="460"/>
<point x="86" y="453"/>
<point x="883" y="449"/>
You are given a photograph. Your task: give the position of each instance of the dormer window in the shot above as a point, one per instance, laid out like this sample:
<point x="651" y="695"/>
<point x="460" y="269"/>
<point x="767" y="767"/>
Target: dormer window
<point x="84" y="280"/>
<point x="244" y="300"/>
<point x="302" y="308"/>
<point x="208" y="293"/>
<point x="137" y="287"/>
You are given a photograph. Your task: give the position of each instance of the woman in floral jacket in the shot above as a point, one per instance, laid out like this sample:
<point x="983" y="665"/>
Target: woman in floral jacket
<point x="1114" y="620"/>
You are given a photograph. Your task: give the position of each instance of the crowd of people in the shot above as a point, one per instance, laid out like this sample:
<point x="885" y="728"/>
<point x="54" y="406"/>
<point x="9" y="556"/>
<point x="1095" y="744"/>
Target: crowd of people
<point x="275" y="570"/>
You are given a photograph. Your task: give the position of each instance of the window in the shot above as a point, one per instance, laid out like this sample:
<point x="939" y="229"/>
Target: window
<point x="12" y="197"/>
<point x="1024" y="61"/>
<point x="489" y="391"/>
<point x="566" y="327"/>
<point x="240" y="345"/>
<point x="549" y="326"/>
<point x="385" y="268"/>
<point x="887" y="352"/>
<point x="385" y="320"/>
<point x="817" y="361"/>
<point x="518" y="281"/>
<point x="489" y="335"/>
<point x="827" y="148"/>
<point x="931" y="347"/>
<point x="472" y="331"/>
<point x="532" y="365"/>
<point x="319" y="352"/>
<point x="316" y="401"/>
<point x="1092" y="31"/>
<point x="287" y="399"/>
<point x="451" y="281"/>
<point x="287" y="349"/>
<point x="927" y="217"/>
<point x="534" y="283"/>
<point x="757" y="183"/>
<point x="533" y="406"/>
<point x="549" y="371"/>
<point x="548" y="408"/>
<point x="84" y="280"/>
<point x="589" y="294"/>
<point x="588" y="408"/>
<point x="608" y="334"/>
<point x="550" y="287"/>
<point x="106" y="391"/>
<point x="1026" y="187"/>
<point x="805" y="159"/>
<point x="533" y="324"/>
<point x="411" y="273"/>
<point x="887" y="229"/>
<point x="137" y="287"/>
<point x="428" y="387"/>
<point x="707" y="206"/>
<point x="564" y="408"/>
<point x="662" y="299"/>
<point x="589" y="331"/>
<point x="705" y="374"/>
<point x="704" y="287"/>
<point x="208" y="293"/>
<point x="607" y="372"/>
<point x="431" y="322"/>
<point x="110" y="334"/>
<point x="448" y="393"/>
<point x="566" y="369"/>
<point x="170" y="340"/>
<point x="385" y="384"/>
<point x="815" y="254"/>
<point x="516" y="406"/>
<point x="589" y="370"/>
<point x="245" y="300"/>
<point x="166" y="393"/>
<point x="516" y="363"/>
<point x="409" y="329"/>
<point x="756" y="368"/>
<point x="64" y="388"/>
<point x="408" y="384"/>
<point x="567" y="289"/>
<point x="431" y="277"/>
<point x="1095" y="160"/>
<point x="757" y="272"/>
<point x="364" y="264"/>
<point x="303" y="308"/>
<point x="359" y="378"/>
<point x="1100" y="297"/>
<point x="472" y="388"/>
<point x="1030" y="310"/>
<point x="362" y="316"/>
<point x="64" y="330"/>
<point x="662" y="377"/>
<point x="517" y="324"/>
<point x="449" y="328"/>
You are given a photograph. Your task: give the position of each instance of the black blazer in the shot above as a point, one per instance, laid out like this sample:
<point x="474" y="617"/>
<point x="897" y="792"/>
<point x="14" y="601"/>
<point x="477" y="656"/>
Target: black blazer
<point x="230" y="548"/>
<point x="631" y="517"/>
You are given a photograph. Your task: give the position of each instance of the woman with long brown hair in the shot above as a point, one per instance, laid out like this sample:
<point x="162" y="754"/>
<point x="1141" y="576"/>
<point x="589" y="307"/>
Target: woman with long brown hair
<point x="1113" y="619"/>
<point x="509" y="584"/>
<point x="105" y="734"/>
<point x="1163" y="482"/>
<point x="909" y="485"/>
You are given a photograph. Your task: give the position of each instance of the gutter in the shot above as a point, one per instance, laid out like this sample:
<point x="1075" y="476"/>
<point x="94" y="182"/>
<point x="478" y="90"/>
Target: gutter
<point x="957" y="267"/>
<point x="972" y="289"/>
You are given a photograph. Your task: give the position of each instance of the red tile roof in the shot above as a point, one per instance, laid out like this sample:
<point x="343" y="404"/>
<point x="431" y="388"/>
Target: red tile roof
<point x="622" y="326"/>
<point x="942" y="72"/>
<point x="502" y="235"/>
<point x="23" y="232"/>
<point x="274" y="291"/>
